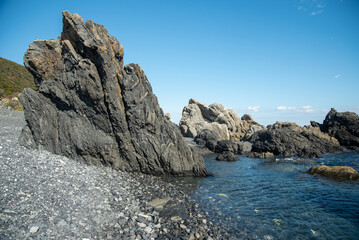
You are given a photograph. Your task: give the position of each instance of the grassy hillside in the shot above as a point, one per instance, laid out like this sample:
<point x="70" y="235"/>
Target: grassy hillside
<point x="13" y="78"/>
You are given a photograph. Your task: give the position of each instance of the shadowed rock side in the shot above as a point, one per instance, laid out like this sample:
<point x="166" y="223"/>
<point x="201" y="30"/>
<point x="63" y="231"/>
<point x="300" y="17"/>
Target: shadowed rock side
<point x="344" y="127"/>
<point x="92" y="108"/>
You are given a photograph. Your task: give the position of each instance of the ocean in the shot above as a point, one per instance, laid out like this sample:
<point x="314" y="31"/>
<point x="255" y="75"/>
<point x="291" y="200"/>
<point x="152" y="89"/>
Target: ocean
<point x="277" y="199"/>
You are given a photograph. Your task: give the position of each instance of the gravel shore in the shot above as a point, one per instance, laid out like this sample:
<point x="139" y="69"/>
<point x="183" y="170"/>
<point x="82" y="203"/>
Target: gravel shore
<point x="46" y="196"/>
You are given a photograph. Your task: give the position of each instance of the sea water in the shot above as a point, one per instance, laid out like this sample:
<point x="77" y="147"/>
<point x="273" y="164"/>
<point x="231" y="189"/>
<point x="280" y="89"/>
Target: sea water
<point x="277" y="199"/>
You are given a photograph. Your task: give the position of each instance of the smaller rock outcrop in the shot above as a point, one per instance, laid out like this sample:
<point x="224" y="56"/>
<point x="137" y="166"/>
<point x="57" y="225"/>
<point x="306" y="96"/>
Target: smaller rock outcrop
<point x="211" y="140"/>
<point x="289" y="139"/>
<point x="216" y="118"/>
<point x="207" y="138"/>
<point x="338" y="172"/>
<point x="227" y="156"/>
<point x="261" y="155"/>
<point x="344" y="127"/>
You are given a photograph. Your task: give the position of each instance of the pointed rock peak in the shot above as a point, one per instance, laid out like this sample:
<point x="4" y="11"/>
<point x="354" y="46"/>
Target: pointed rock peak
<point x="67" y="15"/>
<point x="247" y="117"/>
<point x="193" y="101"/>
<point x="90" y="108"/>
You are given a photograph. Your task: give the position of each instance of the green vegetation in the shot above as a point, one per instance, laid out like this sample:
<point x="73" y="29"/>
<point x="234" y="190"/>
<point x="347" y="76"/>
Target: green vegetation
<point x="13" y="78"/>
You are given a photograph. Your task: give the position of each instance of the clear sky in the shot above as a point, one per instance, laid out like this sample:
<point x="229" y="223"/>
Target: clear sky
<point x="286" y="60"/>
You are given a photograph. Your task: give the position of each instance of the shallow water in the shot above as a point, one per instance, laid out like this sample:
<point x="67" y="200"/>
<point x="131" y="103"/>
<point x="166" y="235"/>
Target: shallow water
<point x="276" y="199"/>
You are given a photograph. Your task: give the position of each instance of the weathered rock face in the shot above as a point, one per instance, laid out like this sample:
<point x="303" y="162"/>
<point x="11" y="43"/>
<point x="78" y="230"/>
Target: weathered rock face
<point x="288" y="139"/>
<point x="216" y="118"/>
<point x="338" y="172"/>
<point x="344" y="127"/>
<point x="92" y="108"/>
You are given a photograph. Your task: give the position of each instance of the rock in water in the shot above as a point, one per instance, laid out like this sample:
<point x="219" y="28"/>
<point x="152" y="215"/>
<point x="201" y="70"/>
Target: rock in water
<point x="227" y="156"/>
<point x="344" y="127"/>
<point x="92" y="108"/>
<point x="339" y="172"/>
<point x="289" y="139"/>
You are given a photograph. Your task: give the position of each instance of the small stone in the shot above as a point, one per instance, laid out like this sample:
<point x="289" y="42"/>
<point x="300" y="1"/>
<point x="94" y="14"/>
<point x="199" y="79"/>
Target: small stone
<point x="204" y="221"/>
<point x="62" y="223"/>
<point x="176" y="218"/>
<point x="34" y="229"/>
<point x="148" y="229"/>
<point x="183" y="226"/>
<point x="142" y="225"/>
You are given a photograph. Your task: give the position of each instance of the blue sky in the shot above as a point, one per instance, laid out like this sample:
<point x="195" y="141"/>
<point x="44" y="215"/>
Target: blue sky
<point x="286" y="60"/>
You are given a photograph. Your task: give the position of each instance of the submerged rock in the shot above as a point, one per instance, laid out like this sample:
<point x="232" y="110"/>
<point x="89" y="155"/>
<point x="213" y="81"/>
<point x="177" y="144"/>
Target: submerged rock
<point x="338" y="172"/>
<point x="344" y="127"/>
<point x="92" y="108"/>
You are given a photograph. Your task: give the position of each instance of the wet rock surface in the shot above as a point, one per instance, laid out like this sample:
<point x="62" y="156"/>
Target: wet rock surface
<point x="337" y="172"/>
<point x="46" y="196"/>
<point x="92" y="108"/>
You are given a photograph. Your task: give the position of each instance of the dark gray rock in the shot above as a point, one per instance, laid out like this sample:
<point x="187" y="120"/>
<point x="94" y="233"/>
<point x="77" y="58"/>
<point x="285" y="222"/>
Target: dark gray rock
<point x="226" y="146"/>
<point x="207" y="138"/>
<point x="244" y="147"/>
<point x="227" y="156"/>
<point x="289" y="139"/>
<point x="344" y="127"/>
<point x="91" y="108"/>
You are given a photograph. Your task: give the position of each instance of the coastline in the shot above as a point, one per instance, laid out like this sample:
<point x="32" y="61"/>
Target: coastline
<point x="50" y="196"/>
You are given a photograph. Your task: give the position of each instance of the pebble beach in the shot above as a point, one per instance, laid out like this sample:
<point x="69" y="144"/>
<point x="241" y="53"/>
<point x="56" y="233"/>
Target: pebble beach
<point x="47" y="196"/>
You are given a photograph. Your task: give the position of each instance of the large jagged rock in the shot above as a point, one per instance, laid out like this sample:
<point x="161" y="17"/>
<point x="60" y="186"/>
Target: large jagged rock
<point x="289" y="139"/>
<point x="344" y="127"/>
<point x="216" y="118"/>
<point x="92" y="108"/>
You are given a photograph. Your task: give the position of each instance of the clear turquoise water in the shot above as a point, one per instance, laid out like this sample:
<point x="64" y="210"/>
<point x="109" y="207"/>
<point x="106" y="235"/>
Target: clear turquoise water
<point x="276" y="199"/>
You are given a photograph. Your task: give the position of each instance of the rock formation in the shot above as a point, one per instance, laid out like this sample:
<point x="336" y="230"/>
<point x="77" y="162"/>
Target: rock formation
<point x="338" y="172"/>
<point x="227" y="156"/>
<point x="92" y="108"/>
<point x="212" y="141"/>
<point x="216" y="118"/>
<point x="344" y="127"/>
<point x="288" y="139"/>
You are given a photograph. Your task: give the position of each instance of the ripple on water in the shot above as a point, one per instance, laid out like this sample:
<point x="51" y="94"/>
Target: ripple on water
<point x="276" y="199"/>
